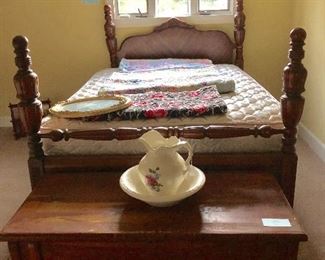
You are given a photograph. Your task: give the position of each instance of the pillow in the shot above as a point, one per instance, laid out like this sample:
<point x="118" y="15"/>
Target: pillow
<point x="128" y="65"/>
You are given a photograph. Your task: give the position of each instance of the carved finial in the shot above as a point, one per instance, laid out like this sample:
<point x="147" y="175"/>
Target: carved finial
<point x="296" y="52"/>
<point x="239" y="15"/>
<point x="239" y="33"/>
<point x="298" y="35"/>
<point x="23" y="60"/>
<point x="294" y="77"/>
<point x="20" y="41"/>
<point x="295" y="73"/>
<point x="111" y="40"/>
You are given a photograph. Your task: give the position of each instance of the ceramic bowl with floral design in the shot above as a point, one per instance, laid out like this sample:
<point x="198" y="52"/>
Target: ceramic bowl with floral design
<point x="132" y="185"/>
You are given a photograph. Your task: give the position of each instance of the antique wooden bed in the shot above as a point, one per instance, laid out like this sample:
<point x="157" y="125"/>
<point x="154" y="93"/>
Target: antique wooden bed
<point x="282" y="164"/>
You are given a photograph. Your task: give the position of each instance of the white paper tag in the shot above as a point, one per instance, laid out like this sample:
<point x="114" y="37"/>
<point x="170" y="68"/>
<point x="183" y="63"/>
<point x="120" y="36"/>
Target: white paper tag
<point x="276" y="222"/>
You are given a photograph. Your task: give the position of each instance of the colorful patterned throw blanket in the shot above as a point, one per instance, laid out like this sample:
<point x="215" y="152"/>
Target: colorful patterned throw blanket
<point x="130" y="65"/>
<point x="172" y="80"/>
<point x="167" y="88"/>
<point x="204" y="101"/>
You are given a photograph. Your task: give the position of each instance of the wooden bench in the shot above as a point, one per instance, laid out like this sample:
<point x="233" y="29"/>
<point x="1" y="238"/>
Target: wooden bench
<point x="88" y="216"/>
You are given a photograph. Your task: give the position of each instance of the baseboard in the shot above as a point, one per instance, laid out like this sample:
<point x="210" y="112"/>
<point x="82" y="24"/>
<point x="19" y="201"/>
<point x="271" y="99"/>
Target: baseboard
<point x="5" y="121"/>
<point x="315" y="144"/>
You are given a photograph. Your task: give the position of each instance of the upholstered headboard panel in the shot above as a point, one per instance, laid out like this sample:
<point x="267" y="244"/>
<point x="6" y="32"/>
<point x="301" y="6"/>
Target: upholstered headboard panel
<point x="175" y="39"/>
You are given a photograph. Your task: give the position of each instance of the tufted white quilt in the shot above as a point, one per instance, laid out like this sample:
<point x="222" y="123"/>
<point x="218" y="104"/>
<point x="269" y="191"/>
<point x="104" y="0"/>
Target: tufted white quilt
<point x="249" y="105"/>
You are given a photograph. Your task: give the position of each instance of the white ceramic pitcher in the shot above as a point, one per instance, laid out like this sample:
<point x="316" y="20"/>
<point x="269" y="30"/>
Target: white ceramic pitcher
<point x="162" y="170"/>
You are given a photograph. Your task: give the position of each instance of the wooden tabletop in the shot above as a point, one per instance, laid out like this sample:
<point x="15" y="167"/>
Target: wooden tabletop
<point x="93" y="206"/>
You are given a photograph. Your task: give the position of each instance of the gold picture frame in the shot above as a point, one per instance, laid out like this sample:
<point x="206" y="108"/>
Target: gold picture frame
<point x="92" y="106"/>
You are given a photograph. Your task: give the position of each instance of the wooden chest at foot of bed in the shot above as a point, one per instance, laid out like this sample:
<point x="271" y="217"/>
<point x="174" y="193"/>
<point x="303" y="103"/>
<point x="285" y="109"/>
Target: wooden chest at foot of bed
<point x="87" y="216"/>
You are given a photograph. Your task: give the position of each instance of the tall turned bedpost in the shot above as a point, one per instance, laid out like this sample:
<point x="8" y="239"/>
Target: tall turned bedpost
<point x="294" y="77"/>
<point x="111" y="41"/>
<point x="30" y="107"/>
<point x="292" y="104"/>
<point x="239" y="33"/>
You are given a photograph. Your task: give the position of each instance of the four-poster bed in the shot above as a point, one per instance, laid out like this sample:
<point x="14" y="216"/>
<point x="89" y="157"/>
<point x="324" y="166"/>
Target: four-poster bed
<point x="77" y="210"/>
<point x="282" y="163"/>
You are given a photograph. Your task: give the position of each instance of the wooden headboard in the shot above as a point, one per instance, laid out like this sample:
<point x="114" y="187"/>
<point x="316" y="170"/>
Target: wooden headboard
<point x="177" y="39"/>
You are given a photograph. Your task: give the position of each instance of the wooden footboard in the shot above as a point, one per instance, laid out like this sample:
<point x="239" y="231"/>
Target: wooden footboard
<point x="277" y="163"/>
<point x="281" y="164"/>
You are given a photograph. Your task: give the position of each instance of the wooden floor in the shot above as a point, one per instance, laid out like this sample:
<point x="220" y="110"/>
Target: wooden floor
<point x="14" y="187"/>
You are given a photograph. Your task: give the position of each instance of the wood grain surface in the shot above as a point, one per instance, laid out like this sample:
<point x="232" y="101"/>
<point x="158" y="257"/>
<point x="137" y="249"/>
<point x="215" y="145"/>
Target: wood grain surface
<point x="92" y="205"/>
<point x="87" y="216"/>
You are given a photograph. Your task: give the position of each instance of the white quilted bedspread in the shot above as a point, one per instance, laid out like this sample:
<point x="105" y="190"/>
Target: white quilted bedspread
<point x="249" y="105"/>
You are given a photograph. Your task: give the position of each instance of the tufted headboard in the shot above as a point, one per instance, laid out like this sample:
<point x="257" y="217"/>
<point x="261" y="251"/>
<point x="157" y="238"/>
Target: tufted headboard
<point x="177" y="39"/>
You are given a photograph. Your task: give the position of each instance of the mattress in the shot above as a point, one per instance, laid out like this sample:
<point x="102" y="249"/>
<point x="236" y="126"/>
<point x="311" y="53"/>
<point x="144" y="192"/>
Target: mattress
<point x="249" y="105"/>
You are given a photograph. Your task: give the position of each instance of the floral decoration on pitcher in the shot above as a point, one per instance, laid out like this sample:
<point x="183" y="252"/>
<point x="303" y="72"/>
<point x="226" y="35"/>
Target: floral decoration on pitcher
<point x="152" y="179"/>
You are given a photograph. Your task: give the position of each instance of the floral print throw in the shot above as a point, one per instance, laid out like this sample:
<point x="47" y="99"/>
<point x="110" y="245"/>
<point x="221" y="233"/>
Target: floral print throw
<point x="203" y="101"/>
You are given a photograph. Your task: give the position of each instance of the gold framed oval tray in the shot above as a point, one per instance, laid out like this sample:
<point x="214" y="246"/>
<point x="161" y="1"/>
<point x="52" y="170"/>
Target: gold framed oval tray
<point x="92" y="106"/>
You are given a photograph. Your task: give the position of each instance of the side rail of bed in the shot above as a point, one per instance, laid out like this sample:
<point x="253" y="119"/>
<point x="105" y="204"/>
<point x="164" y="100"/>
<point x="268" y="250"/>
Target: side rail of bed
<point x="283" y="163"/>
